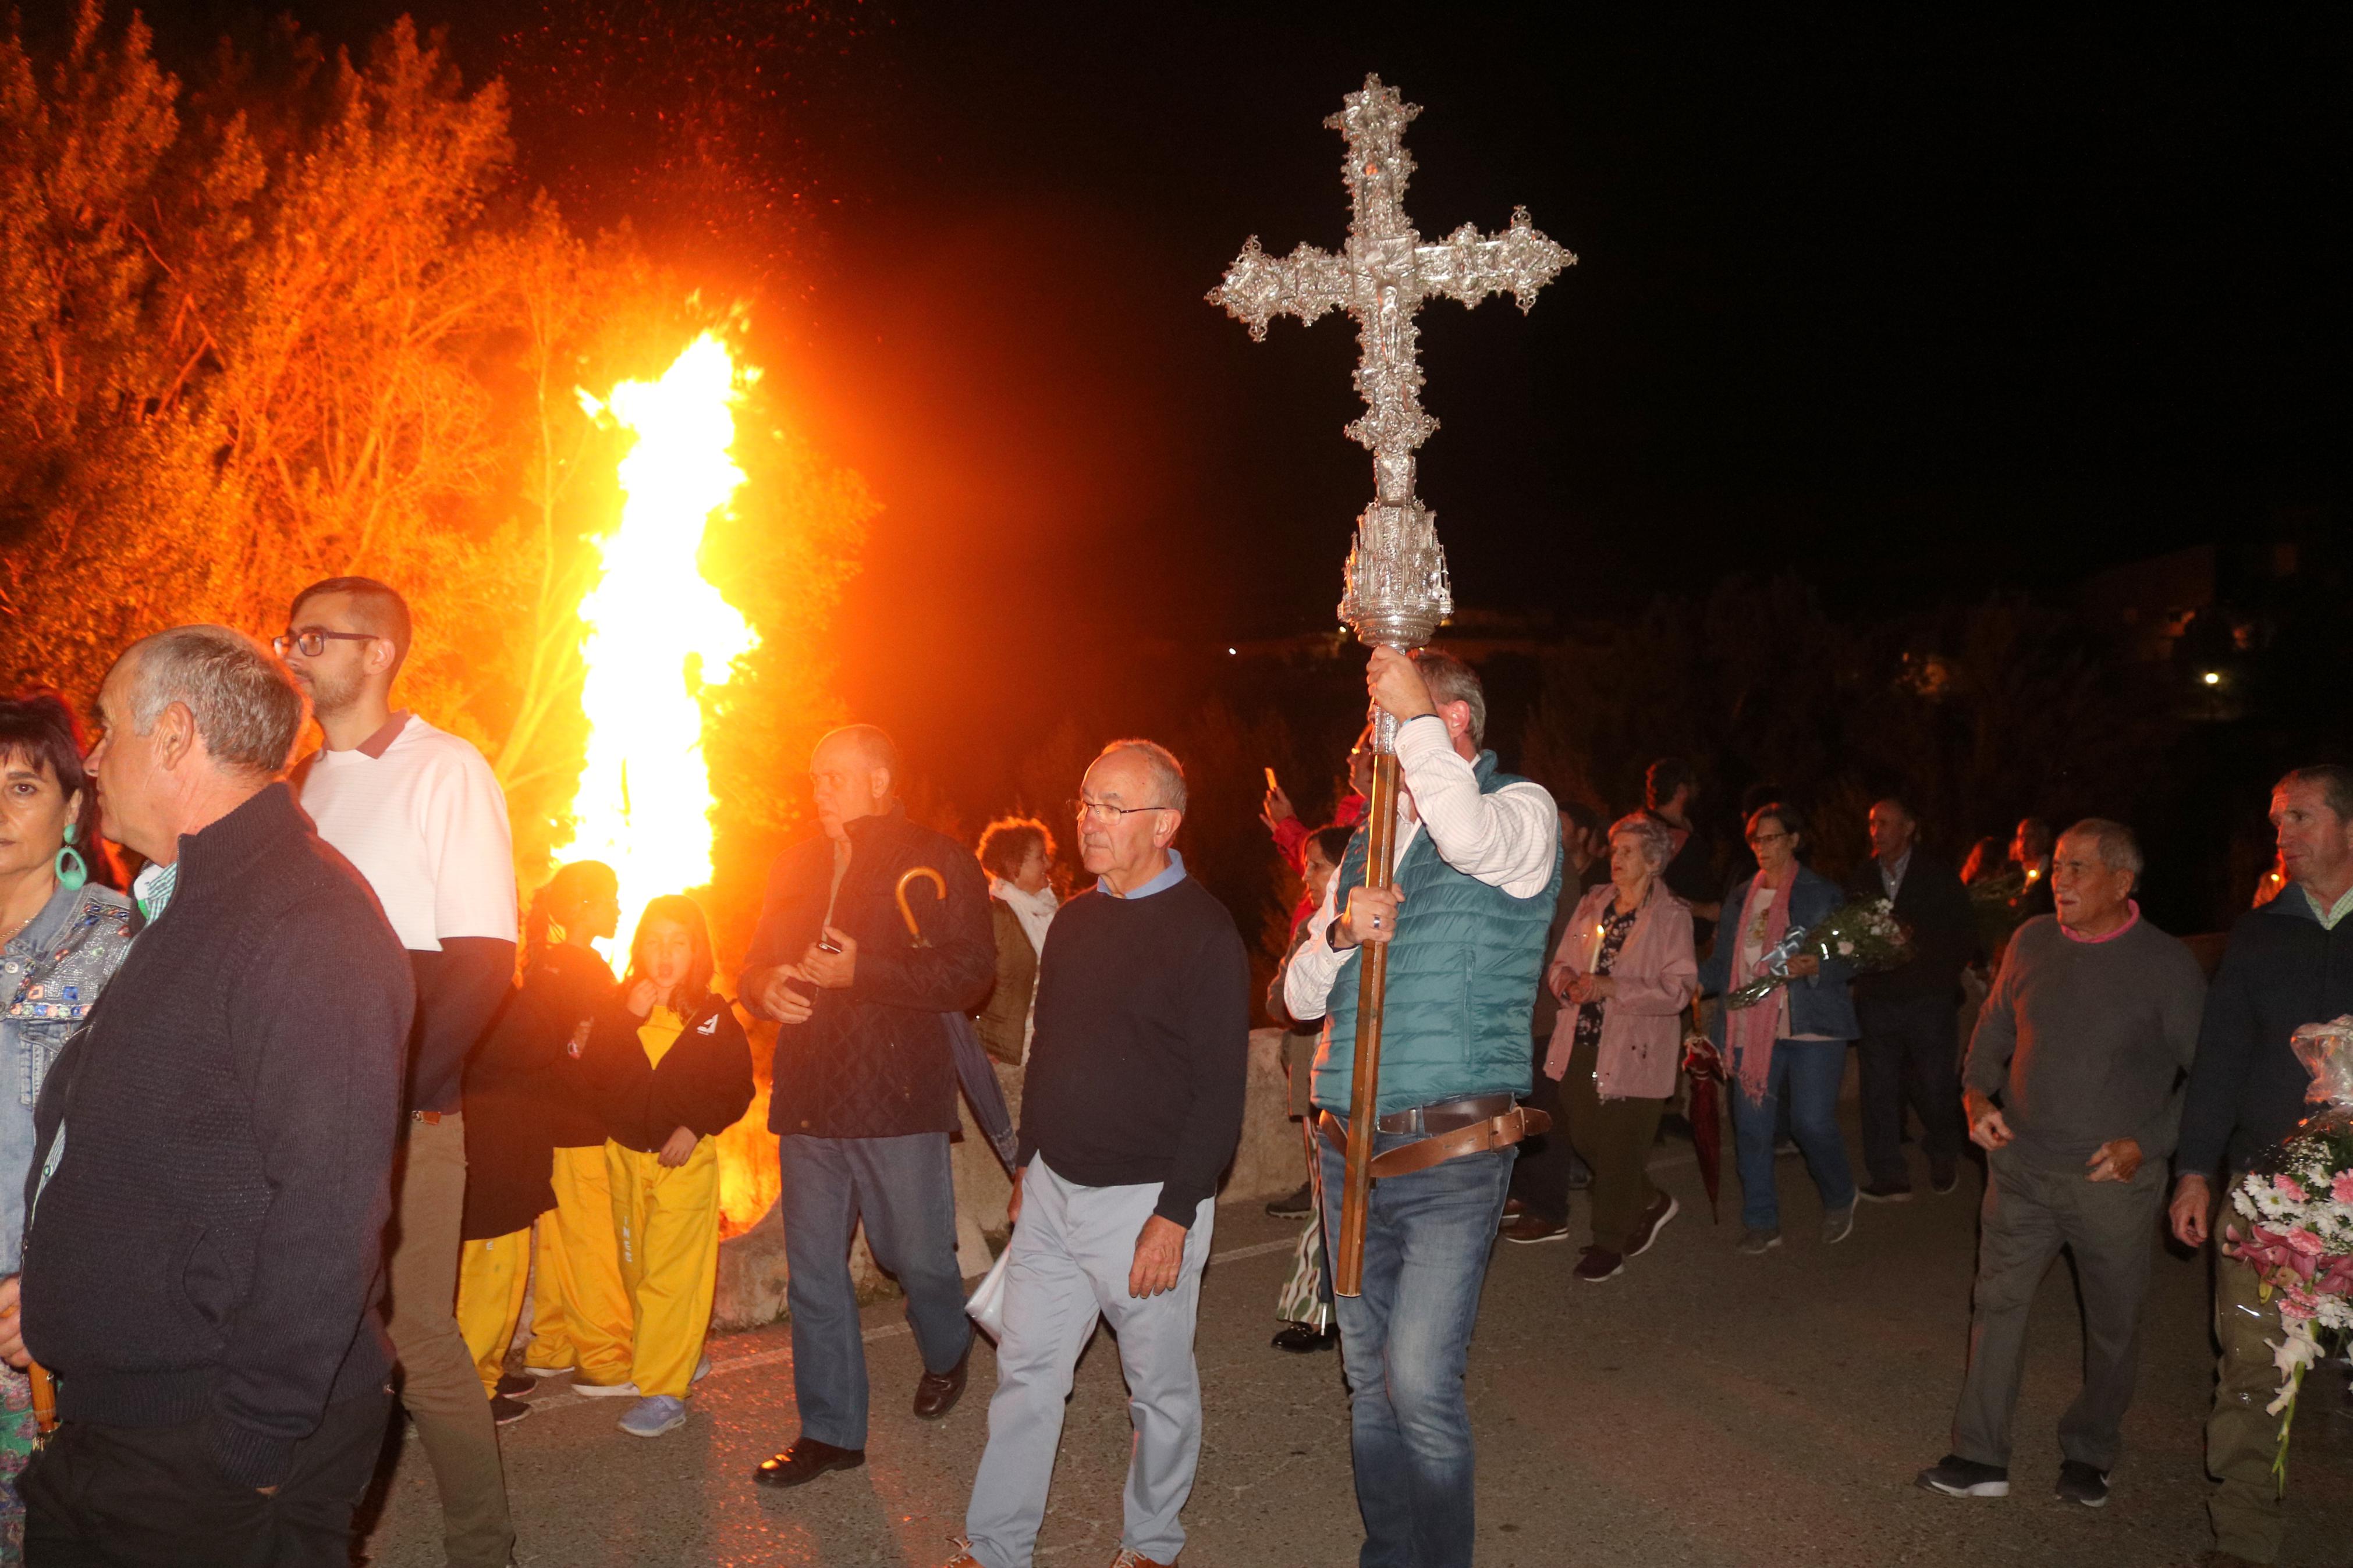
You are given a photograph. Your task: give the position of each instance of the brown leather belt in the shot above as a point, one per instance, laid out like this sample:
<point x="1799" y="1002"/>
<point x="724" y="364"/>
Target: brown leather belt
<point x="1456" y="1128"/>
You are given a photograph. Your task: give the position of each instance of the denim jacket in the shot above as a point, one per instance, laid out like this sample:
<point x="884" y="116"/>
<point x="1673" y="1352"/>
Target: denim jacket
<point x="50" y="973"/>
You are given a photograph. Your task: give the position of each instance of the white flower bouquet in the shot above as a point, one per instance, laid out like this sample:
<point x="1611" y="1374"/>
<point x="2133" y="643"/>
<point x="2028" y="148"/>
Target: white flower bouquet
<point x="2295" y="1215"/>
<point x="1864" y="935"/>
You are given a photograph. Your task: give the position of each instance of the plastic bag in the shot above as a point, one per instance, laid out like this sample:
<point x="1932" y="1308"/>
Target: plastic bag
<point x="986" y="1308"/>
<point x="2326" y="1052"/>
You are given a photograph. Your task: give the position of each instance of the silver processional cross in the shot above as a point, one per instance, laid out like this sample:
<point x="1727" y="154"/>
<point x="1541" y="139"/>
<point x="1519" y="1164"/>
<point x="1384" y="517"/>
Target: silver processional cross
<point x="1396" y="591"/>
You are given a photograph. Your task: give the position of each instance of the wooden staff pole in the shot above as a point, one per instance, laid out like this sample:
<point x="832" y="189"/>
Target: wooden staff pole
<point x="1372" y="985"/>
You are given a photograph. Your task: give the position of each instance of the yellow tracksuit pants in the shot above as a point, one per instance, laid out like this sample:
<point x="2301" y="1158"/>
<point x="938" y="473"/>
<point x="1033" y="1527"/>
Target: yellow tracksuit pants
<point x="491" y="1278"/>
<point x="669" y="1224"/>
<point x="580" y="1308"/>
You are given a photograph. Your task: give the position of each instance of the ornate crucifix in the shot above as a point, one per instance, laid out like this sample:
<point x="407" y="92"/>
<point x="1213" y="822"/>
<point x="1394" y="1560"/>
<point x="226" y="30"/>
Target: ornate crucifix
<point x="1396" y="592"/>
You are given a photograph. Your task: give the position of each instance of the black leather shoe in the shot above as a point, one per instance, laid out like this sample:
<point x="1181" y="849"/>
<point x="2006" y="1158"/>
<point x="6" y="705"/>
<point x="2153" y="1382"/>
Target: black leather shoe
<point x="1300" y="1339"/>
<point x="936" y="1393"/>
<point x="804" y="1461"/>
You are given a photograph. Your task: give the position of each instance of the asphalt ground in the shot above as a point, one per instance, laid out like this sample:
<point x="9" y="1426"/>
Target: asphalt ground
<point x="1703" y="1408"/>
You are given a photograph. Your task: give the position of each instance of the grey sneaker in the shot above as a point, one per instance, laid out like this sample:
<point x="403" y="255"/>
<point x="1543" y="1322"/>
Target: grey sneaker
<point x="1757" y="1243"/>
<point x="1838" y="1225"/>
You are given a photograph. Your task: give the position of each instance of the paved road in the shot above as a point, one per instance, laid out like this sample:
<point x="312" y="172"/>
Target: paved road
<point x="1703" y="1409"/>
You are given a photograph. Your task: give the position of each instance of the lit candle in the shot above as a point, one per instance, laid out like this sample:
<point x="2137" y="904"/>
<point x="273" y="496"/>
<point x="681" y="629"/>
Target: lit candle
<point x="1593" y="957"/>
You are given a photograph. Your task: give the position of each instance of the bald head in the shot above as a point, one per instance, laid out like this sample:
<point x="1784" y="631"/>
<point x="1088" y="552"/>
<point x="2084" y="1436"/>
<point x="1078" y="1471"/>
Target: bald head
<point x="853" y="774"/>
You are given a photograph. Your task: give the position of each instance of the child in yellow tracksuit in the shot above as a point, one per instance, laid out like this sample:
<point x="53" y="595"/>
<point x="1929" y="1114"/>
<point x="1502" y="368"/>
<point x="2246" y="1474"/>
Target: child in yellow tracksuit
<point x="670" y="1068"/>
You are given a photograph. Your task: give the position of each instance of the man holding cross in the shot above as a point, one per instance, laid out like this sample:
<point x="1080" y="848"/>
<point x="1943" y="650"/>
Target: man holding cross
<point x="1478" y="871"/>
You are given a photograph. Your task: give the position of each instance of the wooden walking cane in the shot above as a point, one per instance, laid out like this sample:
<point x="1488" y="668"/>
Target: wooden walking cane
<point x="1372" y="987"/>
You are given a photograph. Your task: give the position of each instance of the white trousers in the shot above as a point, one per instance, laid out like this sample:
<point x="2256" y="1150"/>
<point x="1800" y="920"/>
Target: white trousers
<point x="1071" y="1255"/>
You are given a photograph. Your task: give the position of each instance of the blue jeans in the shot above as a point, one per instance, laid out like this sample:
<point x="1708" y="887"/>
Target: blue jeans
<point x="1805" y="1073"/>
<point x="1404" y="1341"/>
<point x="901" y="1189"/>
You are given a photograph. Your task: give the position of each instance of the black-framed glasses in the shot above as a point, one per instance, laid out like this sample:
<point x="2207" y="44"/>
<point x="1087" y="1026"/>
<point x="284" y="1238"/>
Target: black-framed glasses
<point x="311" y="641"/>
<point x="1104" y="812"/>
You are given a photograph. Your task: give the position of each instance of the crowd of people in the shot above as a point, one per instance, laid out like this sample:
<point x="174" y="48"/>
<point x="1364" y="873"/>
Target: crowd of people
<point x="298" y="1132"/>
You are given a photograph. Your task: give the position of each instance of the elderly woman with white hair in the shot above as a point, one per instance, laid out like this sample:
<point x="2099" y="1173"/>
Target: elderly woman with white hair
<point x="1624" y="972"/>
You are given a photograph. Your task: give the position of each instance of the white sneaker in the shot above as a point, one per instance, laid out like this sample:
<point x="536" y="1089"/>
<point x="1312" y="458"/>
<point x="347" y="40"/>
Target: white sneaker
<point x="531" y="1371"/>
<point x="605" y="1390"/>
<point x="702" y="1369"/>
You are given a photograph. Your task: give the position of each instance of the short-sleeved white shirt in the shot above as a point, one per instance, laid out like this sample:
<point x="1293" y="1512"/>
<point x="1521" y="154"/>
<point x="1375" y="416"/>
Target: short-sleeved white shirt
<point x="425" y="821"/>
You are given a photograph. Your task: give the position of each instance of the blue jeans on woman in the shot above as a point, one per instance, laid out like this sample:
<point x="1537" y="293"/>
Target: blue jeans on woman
<point x="1806" y="1074"/>
<point x="1404" y="1343"/>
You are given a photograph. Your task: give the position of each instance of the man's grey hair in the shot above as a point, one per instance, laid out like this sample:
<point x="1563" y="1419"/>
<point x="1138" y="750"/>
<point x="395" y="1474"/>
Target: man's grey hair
<point x="1167" y="772"/>
<point x="244" y="705"/>
<point x="2334" y="781"/>
<point x="2119" y="845"/>
<point x="1658" y="848"/>
<point x="1451" y="680"/>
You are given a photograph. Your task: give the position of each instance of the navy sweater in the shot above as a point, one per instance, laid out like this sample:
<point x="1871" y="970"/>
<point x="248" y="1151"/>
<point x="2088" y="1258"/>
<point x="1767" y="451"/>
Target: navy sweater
<point x="207" y="1248"/>
<point x="2281" y="972"/>
<point x="1142" y="1051"/>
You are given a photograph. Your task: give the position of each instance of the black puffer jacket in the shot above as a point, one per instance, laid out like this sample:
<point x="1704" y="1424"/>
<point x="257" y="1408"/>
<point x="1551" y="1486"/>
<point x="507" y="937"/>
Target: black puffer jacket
<point x="872" y="1062"/>
<point x="703" y="1084"/>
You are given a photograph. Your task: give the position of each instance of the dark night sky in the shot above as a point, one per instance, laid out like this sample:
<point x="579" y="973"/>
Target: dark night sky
<point x="1911" y="301"/>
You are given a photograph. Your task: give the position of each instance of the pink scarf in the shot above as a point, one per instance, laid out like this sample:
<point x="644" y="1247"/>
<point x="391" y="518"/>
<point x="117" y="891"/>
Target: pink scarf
<point x="1750" y="1031"/>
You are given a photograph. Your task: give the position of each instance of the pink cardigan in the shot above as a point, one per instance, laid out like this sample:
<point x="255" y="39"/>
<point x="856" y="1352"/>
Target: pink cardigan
<point x="1657" y="975"/>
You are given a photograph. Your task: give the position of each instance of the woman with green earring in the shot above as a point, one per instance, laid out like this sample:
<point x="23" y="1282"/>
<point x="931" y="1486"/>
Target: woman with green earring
<point x="63" y="932"/>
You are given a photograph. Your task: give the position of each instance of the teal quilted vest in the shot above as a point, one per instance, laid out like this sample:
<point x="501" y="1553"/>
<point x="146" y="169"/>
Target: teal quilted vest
<point x="1461" y="981"/>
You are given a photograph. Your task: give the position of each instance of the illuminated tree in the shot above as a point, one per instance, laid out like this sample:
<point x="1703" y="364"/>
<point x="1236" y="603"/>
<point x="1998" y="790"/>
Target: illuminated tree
<point x="288" y="323"/>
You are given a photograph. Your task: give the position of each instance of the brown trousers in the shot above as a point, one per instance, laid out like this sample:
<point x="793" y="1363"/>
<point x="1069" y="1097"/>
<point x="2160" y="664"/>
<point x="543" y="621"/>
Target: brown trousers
<point x="1613" y="1137"/>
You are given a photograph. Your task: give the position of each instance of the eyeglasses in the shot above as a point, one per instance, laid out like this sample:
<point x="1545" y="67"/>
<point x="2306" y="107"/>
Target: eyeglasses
<point x="311" y="641"/>
<point x="1758" y="840"/>
<point x="1104" y="813"/>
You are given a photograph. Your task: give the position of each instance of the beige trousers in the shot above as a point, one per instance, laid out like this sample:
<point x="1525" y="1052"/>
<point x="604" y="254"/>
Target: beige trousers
<point x="437" y="1379"/>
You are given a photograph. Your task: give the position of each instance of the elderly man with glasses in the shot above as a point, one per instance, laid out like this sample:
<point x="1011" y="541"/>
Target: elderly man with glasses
<point x="864" y="1093"/>
<point x="1132" y="1106"/>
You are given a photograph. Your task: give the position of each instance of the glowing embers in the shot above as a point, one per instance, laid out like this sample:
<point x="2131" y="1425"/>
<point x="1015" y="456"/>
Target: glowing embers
<point x="658" y="634"/>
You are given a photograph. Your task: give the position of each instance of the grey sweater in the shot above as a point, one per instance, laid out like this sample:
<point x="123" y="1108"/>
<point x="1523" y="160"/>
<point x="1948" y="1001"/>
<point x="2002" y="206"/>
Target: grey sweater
<point x="2086" y="1041"/>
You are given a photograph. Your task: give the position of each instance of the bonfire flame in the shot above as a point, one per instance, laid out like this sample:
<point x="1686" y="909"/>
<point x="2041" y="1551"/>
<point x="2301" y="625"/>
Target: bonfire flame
<point x="659" y="634"/>
<point x="658" y="637"/>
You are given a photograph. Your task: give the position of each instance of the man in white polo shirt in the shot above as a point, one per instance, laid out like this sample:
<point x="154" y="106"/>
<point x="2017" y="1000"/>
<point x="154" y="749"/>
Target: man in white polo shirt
<point x="421" y="814"/>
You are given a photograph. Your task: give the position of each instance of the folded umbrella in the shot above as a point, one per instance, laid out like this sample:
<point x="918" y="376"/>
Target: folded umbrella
<point x="1707" y="1115"/>
<point x="973" y="1066"/>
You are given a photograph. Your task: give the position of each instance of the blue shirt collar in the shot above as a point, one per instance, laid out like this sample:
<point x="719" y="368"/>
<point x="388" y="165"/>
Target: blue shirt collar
<point x="1160" y="884"/>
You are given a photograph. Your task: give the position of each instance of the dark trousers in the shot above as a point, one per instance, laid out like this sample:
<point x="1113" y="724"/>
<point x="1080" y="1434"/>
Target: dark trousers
<point x="1613" y="1137"/>
<point x="2031" y="1212"/>
<point x="133" y="1497"/>
<point x="1549" y="1165"/>
<point x="1910" y="1055"/>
